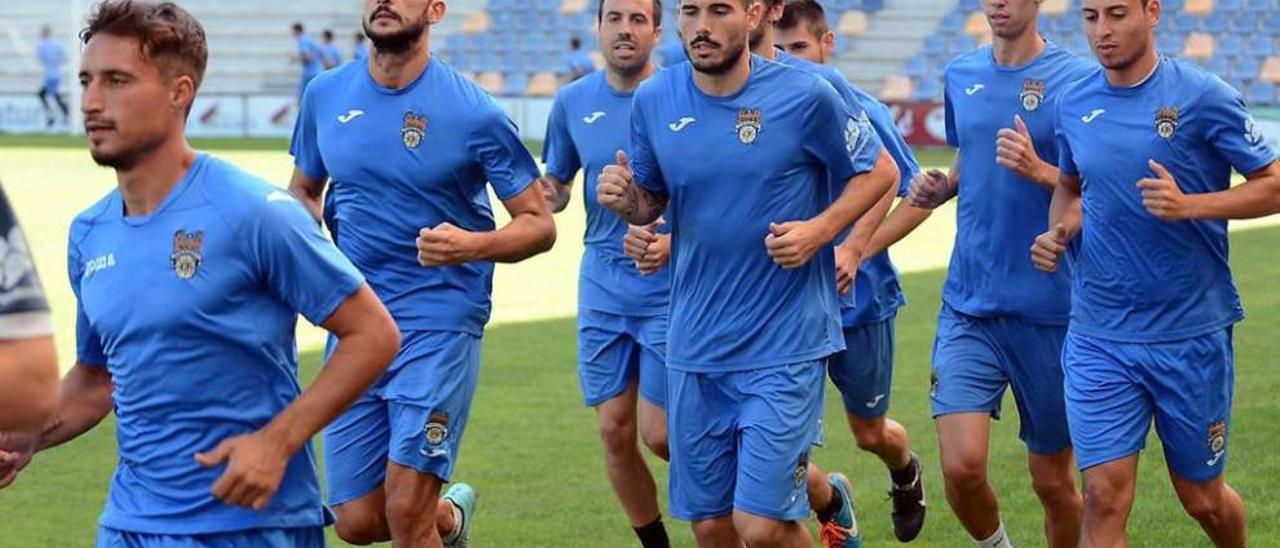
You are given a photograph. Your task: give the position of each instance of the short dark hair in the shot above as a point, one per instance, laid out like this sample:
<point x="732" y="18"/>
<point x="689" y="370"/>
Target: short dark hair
<point x="804" y="11"/>
<point x="327" y="34"/>
<point x="168" y="36"/>
<point x="575" y="42"/>
<point x="657" y="12"/>
<point x="297" y="27"/>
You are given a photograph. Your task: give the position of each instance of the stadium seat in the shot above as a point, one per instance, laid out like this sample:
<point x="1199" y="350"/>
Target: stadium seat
<point x="852" y="23"/>
<point x="967" y="6"/>
<point x="1054" y="7"/>
<point x="897" y="88"/>
<point x="1262" y="93"/>
<point x="976" y="24"/>
<point x="1270" y="71"/>
<point x="1230" y="45"/>
<point x="491" y="82"/>
<point x="1198" y="7"/>
<point x="952" y="23"/>
<point x="543" y="84"/>
<point x="515" y="83"/>
<point x="1216" y="22"/>
<point x="476" y="23"/>
<point x="928" y="89"/>
<point x="1247" y="68"/>
<point x="1199" y="46"/>
<point x="1170" y="43"/>
<point x="915" y="66"/>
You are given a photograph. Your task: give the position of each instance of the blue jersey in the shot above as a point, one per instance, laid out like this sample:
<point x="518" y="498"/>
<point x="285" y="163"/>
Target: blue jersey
<point x="730" y="166"/>
<point x="590" y="122"/>
<point x="51" y="56"/>
<point x="1000" y="214"/>
<point x="876" y="294"/>
<point x="579" y="61"/>
<point x="360" y="52"/>
<point x="403" y="160"/>
<point x="192" y="309"/>
<point x="1138" y="278"/>
<point x="330" y="55"/>
<point x="671" y="52"/>
<point x="312" y="56"/>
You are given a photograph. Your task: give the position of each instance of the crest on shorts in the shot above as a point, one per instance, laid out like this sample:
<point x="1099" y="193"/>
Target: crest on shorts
<point x="1217" y="436"/>
<point x="749" y="125"/>
<point x="413" y="130"/>
<point x="1166" y="122"/>
<point x="186" y="257"/>
<point x="1032" y="94"/>
<point x="436" y="433"/>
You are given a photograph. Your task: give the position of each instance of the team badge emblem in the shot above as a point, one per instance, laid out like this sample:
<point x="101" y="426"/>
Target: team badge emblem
<point x="436" y="433"/>
<point x="1166" y="122"/>
<point x="1252" y="133"/>
<point x="1032" y="94"/>
<point x="415" y="127"/>
<point x="748" y="126"/>
<point x="1217" y="436"/>
<point x="186" y="257"/>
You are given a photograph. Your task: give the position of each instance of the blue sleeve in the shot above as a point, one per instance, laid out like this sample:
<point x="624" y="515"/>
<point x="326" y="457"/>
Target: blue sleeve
<point x="953" y="136"/>
<point x="495" y="145"/>
<point x="89" y="349"/>
<point x="644" y="163"/>
<point x="558" y="151"/>
<point x="1066" y="162"/>
<point x="1231" y="130"/>
<point x="869" y="139"/>
<point x="884" y="125"/>
<point x="836" y="136"/>
<point x="295" y="260"/>
<point x="304" y="146"/>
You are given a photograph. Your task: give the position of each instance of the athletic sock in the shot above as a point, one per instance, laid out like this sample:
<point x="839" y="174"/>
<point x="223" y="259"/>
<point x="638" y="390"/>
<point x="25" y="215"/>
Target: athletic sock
<point x="653" y="535"/>
<point x="826" y="513"/>
<point x="998" y="540"/>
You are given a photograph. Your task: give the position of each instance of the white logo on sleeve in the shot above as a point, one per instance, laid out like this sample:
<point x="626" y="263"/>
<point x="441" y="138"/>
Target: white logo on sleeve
<point x="974" y="89"/>
<point x="1252" y="133"/>
<point x="681" y="123"/>
<point x="350" y="115"/>
<point x="593" y="117"/>
<point x="1088" y="118"/>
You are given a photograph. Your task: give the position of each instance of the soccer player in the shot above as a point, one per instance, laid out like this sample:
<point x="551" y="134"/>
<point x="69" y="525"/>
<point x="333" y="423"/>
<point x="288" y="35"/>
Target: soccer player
<point x="28" y="370"/>
<point x="716" y="144"/>
<point x="310" y="56"/>
<point x="1002" y="323"/>
<point x="189" y="279"/>
<point x="1147" y="147"/>
<point x="578" y="63"/>
<point x="359" y="49"/>
<point x="51" y="56"/>
<point x="330" y="55"/>
<point x="438" y="139"/>
<point x="864" y="372"/>
<point x="622" y="307"/>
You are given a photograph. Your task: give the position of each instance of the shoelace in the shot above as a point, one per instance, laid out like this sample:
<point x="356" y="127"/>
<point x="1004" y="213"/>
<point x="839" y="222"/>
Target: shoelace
<point x="832" y="535"/>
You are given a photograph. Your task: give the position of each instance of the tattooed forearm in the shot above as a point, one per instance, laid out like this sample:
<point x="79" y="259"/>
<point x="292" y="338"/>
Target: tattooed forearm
<point x="642" y="207"/>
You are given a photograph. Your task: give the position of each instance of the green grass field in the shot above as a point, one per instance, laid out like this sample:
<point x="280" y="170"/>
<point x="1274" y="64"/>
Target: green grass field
<point x="531" y="448"/>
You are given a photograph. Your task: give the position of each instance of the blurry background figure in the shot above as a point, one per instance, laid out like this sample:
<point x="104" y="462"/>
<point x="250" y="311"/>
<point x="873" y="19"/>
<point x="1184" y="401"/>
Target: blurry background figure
<point x="360" y="50"/>
<point x="330" y="56"/>
<point x="310" y="56"/>
<point x="51" y="56"/>
<point x="578" y="63"/>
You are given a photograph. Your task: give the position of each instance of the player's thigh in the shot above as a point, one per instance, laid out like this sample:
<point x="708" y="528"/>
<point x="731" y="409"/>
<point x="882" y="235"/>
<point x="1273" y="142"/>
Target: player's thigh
<point x="963" y="444"/>
<point x="863" y="373"/>
<point x="608" y="356"/>
<point x="780" y="409"/>
<point x="967" y="374"/>
<point x="429" y="401"/>
<point x="1192" y="382"/>
<point x="1108" y="410"/>
<point x="355" y="450"/>
<point x="1036" y="377"/>
<point x="702" y="421"/>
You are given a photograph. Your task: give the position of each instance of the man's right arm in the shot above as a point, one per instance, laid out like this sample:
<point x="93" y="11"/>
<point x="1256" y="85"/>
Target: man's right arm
<point x="28" y="382"/>
<point x="85" y="401"/>
<point x="308" y="191"/>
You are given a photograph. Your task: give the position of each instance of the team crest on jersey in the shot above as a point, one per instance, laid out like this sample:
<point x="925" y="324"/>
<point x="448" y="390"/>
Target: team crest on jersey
<point x="436" y="433"/>
<point x="1166" y="122"/>
<point x="1252" y="133"/>
<point x="748" y="126"/>
<point x="1217" y="436"/>
<point x="186" y="257"/>
<point x="414" y="129"/>
<point x="1032" y="94"/>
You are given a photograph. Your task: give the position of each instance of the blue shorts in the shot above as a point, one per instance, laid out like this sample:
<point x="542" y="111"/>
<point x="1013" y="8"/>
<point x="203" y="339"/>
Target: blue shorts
<point x="864" y="372"/>
<point x="740" y="440"/>
<point x="297" y="537"/>
<point x="975" y="359"/>
<point x="51" y="86"/>
<point x="1115" y="389"/>
<point x="414" y="415"/>
<point x="615" y="350"/>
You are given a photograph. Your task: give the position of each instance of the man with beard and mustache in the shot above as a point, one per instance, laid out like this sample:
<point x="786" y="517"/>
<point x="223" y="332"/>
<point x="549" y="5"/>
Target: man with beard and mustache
<point x="869" y="298"/>
<point x="1147" y="148"/>
<point x="1002" y="323"/>
<point x="622" y="303"/>
<point x="740" y="149"/>
<point x="406" y="145"/>
<point x="189" y="279"/>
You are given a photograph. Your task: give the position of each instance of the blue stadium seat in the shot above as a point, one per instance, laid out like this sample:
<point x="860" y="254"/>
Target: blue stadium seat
<point x="1260" y="6"/>
<point x="1219" y="65"/>
<point x="1169" y="43"/>
<point x="515" y="83"/>
<point x="961" y="44"/>
<point x="1242" y="22"/>
<point x="1170" y="7"/>
<point x="1273" y="23"/>
<point x="952" y="23"/>
<point x="935" y="45"/>
<point x="1261" y="45"/>
<point x="928" y="89"/>
<point x="915" y="66"/>
<point x="872" y="6"/>
<point x="1262" y="93"/>
<point x="1216" y="22"/>
<point x="1187" y="23"/>
<point x="1228" y="5"/>
<point x="1246" y="68"/>
<point x="967" y="6"/>
<point x="1230" y="45"/>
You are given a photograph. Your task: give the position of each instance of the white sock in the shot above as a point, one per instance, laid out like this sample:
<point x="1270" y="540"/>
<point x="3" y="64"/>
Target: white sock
<point x="457" y="522"/>
<point x="998" y="540"/>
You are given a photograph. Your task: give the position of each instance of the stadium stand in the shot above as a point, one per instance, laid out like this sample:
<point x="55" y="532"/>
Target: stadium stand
<point x="898" y="48"/>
